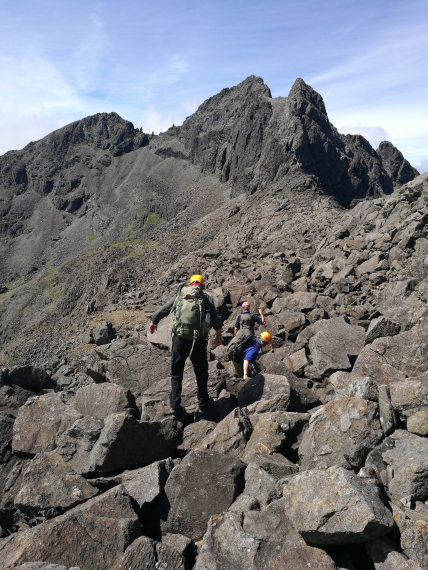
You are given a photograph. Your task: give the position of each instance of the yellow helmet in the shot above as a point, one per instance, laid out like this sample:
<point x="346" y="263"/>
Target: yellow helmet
<point x="267" y="337"/>
<point x="197" y="279"/>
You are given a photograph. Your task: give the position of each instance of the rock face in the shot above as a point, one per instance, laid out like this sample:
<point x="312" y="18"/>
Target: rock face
<point x="319" y="459"/>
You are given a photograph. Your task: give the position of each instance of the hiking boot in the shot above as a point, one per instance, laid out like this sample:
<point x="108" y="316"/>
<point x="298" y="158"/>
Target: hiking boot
<point x="181" y="415"/>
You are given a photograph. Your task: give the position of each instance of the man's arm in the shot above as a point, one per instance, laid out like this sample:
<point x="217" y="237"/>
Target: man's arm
<point x="160" y="314"/>
<point x="215" y="320"/>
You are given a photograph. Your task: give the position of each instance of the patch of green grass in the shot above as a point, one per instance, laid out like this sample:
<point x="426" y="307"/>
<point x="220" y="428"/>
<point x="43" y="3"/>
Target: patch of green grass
<point x="91" y="237"/>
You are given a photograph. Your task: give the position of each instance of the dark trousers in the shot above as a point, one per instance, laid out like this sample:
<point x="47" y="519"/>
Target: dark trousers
<point x="181" y="349"/>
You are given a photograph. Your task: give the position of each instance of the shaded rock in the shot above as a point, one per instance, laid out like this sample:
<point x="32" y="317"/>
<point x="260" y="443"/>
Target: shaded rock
<point x="407" y="467"/>
<point x="385" y="556"/>
<point x="414" y="540"/>
<point x="381" y="327"/>
<point x="50" y="487"/>
<point x="334" y="343"/>
<point x="146" y="484"/>
<point x="101" y="400"/>
<point x="231" y="434"/>
<point x="297" y="360"/>
<point x="205" y="483"/>
<point x="257" y="540"/>
<point x="12" y="398"/>
<point x="103" y="333"/>
<point x="30" y="378"/>
<point x="334" y="506"/>
<point x="40" y="421"/>
<point x="262" y="474"/>
<point x="408" y="396"/>
<point x="387" y="416"/>
<point x="92" y="535"/>
<point x="341" y="433"/>
<point x="270" y="388"/>
<point x="400" y="170"/>
<point x="293" y="302"/>
<point x="147" y="554"/>
<point x="352" y="385"/>
<point x="120" y="441"/>
<point x="391" y="359"/>
<point x="194" y="434"/>
<point x="269" y="435"/>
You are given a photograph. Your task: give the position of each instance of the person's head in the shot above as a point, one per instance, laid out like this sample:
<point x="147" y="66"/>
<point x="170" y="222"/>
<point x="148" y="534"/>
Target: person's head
<point x="245" y="306"/>
<point x="197" y="280"/>
<point x="265" y="338"/>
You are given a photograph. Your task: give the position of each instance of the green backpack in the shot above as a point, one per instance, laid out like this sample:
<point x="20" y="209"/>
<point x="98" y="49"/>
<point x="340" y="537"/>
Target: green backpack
<point x="189" y="314"/>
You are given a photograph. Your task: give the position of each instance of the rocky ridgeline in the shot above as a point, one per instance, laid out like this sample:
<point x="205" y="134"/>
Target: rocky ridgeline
<point x="319" y="461"/>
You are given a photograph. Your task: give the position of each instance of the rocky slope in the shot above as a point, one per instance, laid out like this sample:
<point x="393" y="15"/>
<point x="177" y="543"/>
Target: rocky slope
<point x="319" y="460"/>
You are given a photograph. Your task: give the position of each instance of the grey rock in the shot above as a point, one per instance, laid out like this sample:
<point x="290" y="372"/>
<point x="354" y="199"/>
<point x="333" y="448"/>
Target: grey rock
<point x="333" y="343"/>
<point x="352" y="385"/>
<point x="146" y="484"/>
<point x="414" y="540"/>
<point x="408" y="396"/>
<point x="262" y="474"/>
<point x="342" y="433"/>
<point x="230" y="435"/>
<point x="205" y="483"/>
<point x="120" y="441"/>
<point x="194" y="434"/>
<point x="147" y="554"/>
<point x="113" y="526"/>
<point x="407" y="467"/>
<point x="417" y="422"/>
<point x="40" y="421"/>
<point x="103" y="333"/>
<point x="101" y="400"/>
<point x="49" y="488"/>
<point x="381" y="327"/>
<point x="256" y="540"/>
<point x="334" y="506"/>
<point x="269" y="388"/>
<point x="384" y="555"/>
<point x="395" y="164"/>
<point x="30" y="378"/>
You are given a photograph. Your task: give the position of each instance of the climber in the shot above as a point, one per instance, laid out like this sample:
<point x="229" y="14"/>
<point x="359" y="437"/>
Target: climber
<point x="250" y="353"/>
<point x="248" y="319"/>
<point x="194" y="315"/>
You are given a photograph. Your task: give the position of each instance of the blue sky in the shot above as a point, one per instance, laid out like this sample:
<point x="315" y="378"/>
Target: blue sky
<point x="155" y="62"/>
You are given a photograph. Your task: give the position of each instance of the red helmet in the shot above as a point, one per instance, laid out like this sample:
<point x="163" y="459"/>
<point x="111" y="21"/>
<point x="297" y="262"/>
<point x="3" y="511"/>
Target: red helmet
<point x="245" y="305"/>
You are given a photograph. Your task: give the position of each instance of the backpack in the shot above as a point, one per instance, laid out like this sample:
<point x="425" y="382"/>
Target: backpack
<point x="189" y="314"/>
<point x="235" y="349"/>
<point x="246" y="322"/>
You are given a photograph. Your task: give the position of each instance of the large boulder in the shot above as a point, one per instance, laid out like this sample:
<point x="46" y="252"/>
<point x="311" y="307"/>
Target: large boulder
<point x="101" y="400"/>
<point x="270" y="390"/>
<point x="341" y="432"/>
<point x="258" y="540"/>
<point x="147" y="554"/>
<point x="40" y="421"/>
<point x="231" y="434"/>
<point x="49" y="488"/>
<point x="92" y="535"/>
<point x="334" y="344"/>
<point x="334" y="506"/>
<point x="262" y="475"/>
<point x="395" y="358"/>
<point x="203" y="484"/>
<point x="406" y="468"/>
<point x="93" y="445"/>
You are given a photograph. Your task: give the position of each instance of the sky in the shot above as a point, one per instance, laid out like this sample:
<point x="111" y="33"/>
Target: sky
<point x="155" y="61"/>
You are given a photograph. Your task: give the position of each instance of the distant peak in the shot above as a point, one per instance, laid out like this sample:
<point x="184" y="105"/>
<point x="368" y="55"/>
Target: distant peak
<point x="302" y="92"/>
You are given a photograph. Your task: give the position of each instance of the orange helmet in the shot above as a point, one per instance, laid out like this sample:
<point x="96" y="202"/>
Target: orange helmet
<point x="267" y="337"/>
<point x="197" y="279"/>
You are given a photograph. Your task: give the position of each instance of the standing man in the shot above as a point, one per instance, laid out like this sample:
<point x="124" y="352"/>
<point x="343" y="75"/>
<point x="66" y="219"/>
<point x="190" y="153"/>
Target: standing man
<point x="194" y="315"/>
<point x="247" y="319"/>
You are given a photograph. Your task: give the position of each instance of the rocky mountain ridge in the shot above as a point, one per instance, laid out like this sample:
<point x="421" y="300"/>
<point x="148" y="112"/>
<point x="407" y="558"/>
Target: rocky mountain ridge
<point x="318" y="460"/>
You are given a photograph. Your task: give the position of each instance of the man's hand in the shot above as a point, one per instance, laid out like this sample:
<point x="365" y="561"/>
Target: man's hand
<point x="152" y="327"/>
